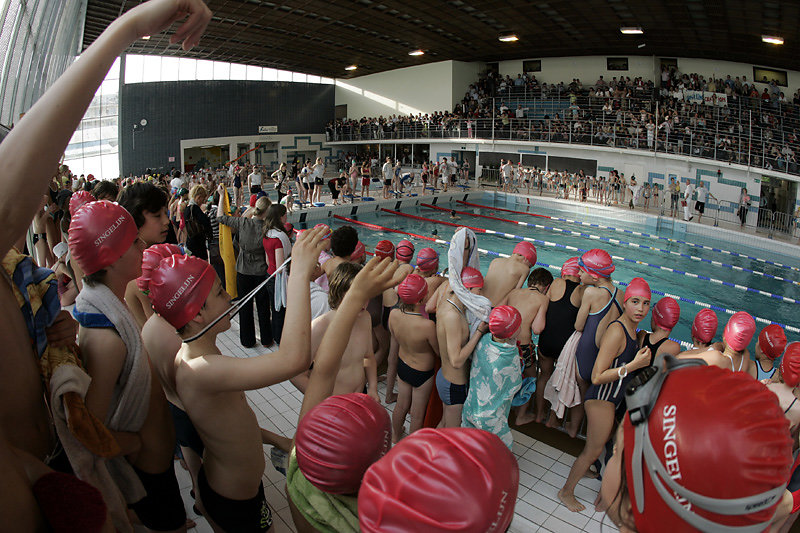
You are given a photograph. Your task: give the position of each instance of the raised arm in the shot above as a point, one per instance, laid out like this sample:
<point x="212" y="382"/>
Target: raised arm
<point x="372" y="280"/>
<point x="29" y="156"/>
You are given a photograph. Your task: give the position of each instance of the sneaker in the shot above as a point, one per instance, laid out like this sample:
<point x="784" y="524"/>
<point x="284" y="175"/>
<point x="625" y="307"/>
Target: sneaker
<point x="280" y="459"/>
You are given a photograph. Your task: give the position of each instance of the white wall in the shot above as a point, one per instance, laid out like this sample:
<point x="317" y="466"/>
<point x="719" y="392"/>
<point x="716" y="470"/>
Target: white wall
<point x="463" y="75"/>
<point x="409" y="90"/>
<point x="590" y="68"/>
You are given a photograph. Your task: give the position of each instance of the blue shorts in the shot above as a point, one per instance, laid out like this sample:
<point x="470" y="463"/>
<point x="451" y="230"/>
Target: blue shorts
<point x="450" y="393"/>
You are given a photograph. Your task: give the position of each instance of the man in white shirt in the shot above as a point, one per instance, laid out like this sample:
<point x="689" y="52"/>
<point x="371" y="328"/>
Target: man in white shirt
<point x="505" y="174"/>
<point x="388" y="173"/>
<point x="176" y="184"/>
<point x="687" y="198"/>
<point x="444" y="173"/>
<point x="702" y="198"/>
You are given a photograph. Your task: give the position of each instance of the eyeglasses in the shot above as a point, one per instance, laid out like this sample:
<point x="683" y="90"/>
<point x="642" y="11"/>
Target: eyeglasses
<point x="641" y="396"/>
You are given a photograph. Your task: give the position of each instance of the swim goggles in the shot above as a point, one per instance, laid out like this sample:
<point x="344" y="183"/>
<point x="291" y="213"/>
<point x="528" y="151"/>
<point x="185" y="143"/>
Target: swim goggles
<point x="641" y="395"/>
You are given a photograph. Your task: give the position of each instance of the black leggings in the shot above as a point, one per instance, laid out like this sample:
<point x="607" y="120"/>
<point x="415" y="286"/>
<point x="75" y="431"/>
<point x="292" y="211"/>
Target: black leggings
<point x="247" y="331"/>
<point x="277" y="316"/>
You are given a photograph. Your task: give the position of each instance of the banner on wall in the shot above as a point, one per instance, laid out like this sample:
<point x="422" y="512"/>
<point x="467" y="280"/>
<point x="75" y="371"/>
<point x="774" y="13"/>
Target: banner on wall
<point x="702" y="97"/>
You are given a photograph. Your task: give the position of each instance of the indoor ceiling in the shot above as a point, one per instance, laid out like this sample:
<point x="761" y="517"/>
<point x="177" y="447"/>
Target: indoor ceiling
<point x="324" y="36"/>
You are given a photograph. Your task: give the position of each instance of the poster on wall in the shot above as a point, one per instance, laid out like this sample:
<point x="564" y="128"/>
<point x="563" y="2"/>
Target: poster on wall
<point x="268" y="129"/>
<point x="702" y="97"/>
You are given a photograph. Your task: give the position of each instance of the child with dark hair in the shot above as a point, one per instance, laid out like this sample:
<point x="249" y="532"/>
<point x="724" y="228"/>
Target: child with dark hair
<point x="147" y="204"/>
<point x="343" y="244"/>
<point x="278" y="247"/>
<point x="105" y="190"/>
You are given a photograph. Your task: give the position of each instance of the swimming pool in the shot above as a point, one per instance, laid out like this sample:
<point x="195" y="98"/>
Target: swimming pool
<point x="694" y="268"/>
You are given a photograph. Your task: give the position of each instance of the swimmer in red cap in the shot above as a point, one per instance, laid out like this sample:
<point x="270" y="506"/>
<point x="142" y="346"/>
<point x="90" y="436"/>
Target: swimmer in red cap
<point x="495" y="375"/>
<point x="665" y="315"/>
<point x="618" y="361"/>
<point x="508" y="273"/>
<point x="770" y="346"/>
<point x="704" y="328"/>
<point x="600" y="306"/>
<point x="332" y="463"/>
<point x="455" y="346"/>
<point x="565" y="300"/>
<point x="358" y="371"/>
<point x="785" y="388"/>
<point x="404" y="253"/>
<point x="359" y="255"/>
<point x="733" y="354"/>
<point x="428" y="482"/>
<point x="427" y="267"/>
<point x="416" y="346"/>
<point x="532" y="304"/>
<point x="124" y="391"/>
<point x="187" y="293"/>
<point x="663" y="475"/>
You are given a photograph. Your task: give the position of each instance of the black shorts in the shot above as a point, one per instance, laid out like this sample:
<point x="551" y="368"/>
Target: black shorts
<point x="255" y="189"/>
<point x="318" y="181"/>
<point x="412" y="376"/>
<point x="185" y="432"/>
<point x="306" y="186"/>
<point x="700" y="206"/>
<point x="387" y="183"/>
<point x="162" y="508"/>
<point x="253" y="515"/>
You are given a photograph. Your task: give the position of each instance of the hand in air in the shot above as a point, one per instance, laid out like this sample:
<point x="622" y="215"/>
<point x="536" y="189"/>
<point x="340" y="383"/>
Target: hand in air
<point x="376" y="276"/>
<point x="305" y="253"/>
<point x="155" y="16"/>
<point x="642" y="358"/>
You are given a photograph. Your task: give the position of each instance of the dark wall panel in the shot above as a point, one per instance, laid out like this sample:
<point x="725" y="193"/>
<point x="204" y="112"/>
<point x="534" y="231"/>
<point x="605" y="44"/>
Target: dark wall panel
<point x="199" y="109"/>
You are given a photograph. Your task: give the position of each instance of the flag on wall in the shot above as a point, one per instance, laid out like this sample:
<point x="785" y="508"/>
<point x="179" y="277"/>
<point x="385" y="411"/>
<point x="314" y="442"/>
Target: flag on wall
<point x="226" y="249"/>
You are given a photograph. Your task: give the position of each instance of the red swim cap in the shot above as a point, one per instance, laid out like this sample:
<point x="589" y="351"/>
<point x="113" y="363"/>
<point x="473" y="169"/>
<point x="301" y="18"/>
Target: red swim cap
<point x="78" y="200"/>
<point x="526" y="250"/>
<point x="471" y="277"/>
<point x="412" y="289"/>
<point x="666" y="313"/>
<point x="772" y="341"/>
<point x="637" y="287"/>
<point x="253" y="200"/>
<point x="404" y="251"/>
<point x="99" y="234"/>
<point x="739" y="331"/>
<point x="359" y="252"/>
<point x="339" y="439"/>
<point x="384" y="249"/>
<point x="570" y="267"/>
<point x="428" y="260"/>
<point x="694" y="408"/>
<point x="790" y="365"/>
<point x="328" y="229"/>
<point x="438" y="480"/>
<point x="597" y="262"/>
<point x="90" y="177"/>
<point x="704" y="326"/>
<point x="504" y="321"/>
<point x="151" y="259"/>
<point x="179" y="287"/>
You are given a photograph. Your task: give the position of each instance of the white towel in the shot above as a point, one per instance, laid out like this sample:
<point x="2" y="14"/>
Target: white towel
<point x="282" y="277"/>
<point x="478" y="307"/>
<point x="131" y="398"/>
<point x="562" y="389"/>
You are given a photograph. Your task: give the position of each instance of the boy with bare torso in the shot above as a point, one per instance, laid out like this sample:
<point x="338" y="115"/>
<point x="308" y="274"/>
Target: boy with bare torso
<point x="417" y="345"/>
<point x="404" y="253"/>
<point x="357" y="368"/>
<point x="187" y="293"/>
<point x="531" y="303"/>
<point x="508" y="273"/>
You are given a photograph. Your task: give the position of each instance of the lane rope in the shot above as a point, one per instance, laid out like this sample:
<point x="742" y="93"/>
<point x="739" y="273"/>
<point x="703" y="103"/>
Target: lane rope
<point x="616" y="257"/>
<point x="558" y="269"/>
<point x="639" y="234"/>
<point x="617" y="241"/>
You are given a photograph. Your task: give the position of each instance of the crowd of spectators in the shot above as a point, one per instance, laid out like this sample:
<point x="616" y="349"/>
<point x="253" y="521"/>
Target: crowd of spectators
<point x="758" y="125"/>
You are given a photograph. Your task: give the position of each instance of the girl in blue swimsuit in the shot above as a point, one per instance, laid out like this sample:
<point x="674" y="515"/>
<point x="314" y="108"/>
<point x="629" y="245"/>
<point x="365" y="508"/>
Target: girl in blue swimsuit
<point x="618" y="359"/>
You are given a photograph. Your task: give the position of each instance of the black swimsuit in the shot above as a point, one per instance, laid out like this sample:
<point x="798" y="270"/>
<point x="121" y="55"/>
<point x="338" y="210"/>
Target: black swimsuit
<point x="559" y="323"/>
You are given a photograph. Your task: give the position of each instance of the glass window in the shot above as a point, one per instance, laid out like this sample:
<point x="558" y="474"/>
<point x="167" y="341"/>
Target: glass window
<point x="187" y="69"/>
<point x="326" y="81"/>
<point x="270" y="74"/>
<point x="313" y="79"/>
<point x="134" y="68"/>
<point x="221" y="71"/>
<point x="238" y="72"/>
<point x="254" y="73"/>
<point x="205" y="70"/>
<point x="152" y="69"/>
<point x="169" y="68"/>
<point x="298" y="77"/>
<point x="284" y="75"/>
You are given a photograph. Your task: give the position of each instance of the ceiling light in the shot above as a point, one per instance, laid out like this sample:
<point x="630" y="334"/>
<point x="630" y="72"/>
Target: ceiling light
<point x="631" y="30"/>
<point x="508" y="38"/>
<point x="146" y="38"/>
<point x="771" y="39"/>
<point x="416" y="53"/>
<point x="351" y="67"/>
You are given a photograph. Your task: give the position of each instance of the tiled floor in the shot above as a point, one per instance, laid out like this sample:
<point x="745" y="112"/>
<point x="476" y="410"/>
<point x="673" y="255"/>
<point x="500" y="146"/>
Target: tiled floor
<point x="543" y="469"/>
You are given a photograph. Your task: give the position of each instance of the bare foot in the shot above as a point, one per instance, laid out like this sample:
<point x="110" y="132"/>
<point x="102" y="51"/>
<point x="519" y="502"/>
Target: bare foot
<point x="591" y="474"/>
<point x="570" y="501"/>
<point x="572" y="429"/>
<point x="599" y="505"/>
<point x="391" y="397"/>
<point x="524" y="417"/>
<point x="552" y="421"/>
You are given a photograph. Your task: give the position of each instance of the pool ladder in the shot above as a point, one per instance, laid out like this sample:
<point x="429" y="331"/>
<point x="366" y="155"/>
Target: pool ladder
<point x="665" y="221"/>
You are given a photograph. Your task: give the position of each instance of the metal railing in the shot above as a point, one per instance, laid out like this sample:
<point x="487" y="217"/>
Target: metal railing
<point x="746" y="132"/>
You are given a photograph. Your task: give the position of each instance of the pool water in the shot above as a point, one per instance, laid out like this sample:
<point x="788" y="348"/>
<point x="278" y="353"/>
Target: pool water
<point x="674" y="283"/>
